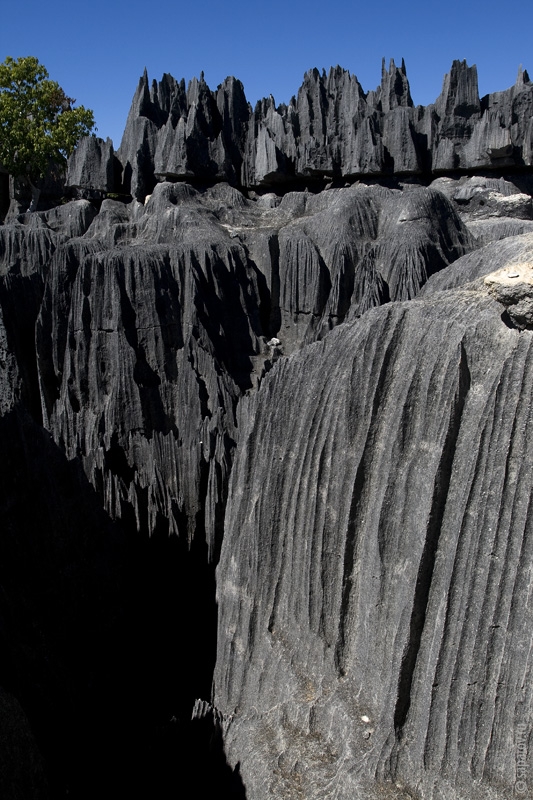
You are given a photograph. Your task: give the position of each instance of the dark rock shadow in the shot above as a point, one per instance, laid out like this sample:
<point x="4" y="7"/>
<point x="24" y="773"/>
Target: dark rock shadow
<point x="107" y="637"/>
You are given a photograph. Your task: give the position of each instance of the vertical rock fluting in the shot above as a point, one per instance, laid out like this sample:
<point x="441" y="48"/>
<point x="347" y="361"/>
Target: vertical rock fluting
<point x="133" y="398"/>
<point x="373" y="588"/>
<point x="141" y="371"/>
<point x="92" y="166"/>
<point x="133" y="338"/>
<point x="144" y="349"/>
<point x="356" y="248"/>
<point x="178" y="133"/>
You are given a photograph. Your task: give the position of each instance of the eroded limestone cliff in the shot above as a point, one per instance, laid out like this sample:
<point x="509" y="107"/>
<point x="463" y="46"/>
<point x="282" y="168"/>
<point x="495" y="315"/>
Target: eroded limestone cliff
<point x="266" y="454"/>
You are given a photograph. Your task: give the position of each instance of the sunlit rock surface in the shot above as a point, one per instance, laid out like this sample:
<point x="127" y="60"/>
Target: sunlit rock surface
<point x="374" y="583"/>
<point x="331" y="128"/>
<point x="265" y="481"/>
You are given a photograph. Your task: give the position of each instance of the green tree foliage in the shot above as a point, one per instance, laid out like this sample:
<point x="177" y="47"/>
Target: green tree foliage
<point x="38" y="125"/>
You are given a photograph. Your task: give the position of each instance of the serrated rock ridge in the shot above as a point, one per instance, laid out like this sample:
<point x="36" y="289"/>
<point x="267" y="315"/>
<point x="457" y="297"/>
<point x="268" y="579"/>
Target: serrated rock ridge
<point x="331" y="129"/>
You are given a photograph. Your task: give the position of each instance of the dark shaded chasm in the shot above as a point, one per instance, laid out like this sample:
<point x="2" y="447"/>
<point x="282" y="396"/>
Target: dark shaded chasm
<point x="107" y="636"/>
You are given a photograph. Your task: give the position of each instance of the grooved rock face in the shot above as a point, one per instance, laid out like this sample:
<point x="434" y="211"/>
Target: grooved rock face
<point x="91" y="165"/>
<point x="143" y="370"/>
<point x="373" y="586"/>
<point x="26" y="250"/>
<point x="491" y="208"/>
<point x="156" y="320"/>
<point x="373" y="580"/>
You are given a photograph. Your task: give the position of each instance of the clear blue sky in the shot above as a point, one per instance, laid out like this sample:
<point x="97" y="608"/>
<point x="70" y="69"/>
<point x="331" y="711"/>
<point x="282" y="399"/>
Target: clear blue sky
<point x="98" y="50"/>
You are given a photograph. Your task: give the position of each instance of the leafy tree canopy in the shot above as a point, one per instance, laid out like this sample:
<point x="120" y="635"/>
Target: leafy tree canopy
<point x="38" y="124"/>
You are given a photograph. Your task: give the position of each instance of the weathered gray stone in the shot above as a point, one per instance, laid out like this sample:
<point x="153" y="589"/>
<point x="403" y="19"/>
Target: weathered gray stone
<point x="192" y="134"/>
<point x="331" y="129"/>
<point x="92" y="166"/>
<point x="172" y="391"/>
<point x="470" y="268"/>
<point x="491" y="208"/>
<point x="142" y="335"/>
<point x="378" y="509"/>
<point x="513" y="288"/>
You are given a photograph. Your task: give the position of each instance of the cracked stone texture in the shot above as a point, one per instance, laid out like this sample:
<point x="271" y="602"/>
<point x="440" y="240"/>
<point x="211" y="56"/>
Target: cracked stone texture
<point x="92" y="165"/>
<point x="144" y="349"/>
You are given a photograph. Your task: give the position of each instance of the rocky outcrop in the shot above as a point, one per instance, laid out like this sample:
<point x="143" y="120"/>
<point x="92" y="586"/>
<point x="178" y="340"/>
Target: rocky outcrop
<point x="174" y="133"/>
<point x="322" y="395"/>
<point x="93" y="168"/>
<point x="160" y="329"/>
<point x="332" y="128"/>
<point x="361" y="653"/>
<point x="472" y="268"/>
<point x="513" y="288"/>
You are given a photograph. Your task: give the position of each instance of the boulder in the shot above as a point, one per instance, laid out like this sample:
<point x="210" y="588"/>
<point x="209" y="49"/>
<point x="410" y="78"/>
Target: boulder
<point x="513" y="288"/>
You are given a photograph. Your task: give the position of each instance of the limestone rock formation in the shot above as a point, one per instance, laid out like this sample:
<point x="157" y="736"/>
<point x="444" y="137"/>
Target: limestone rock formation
<point x="92" y="166"/>
<point x="470" y="269"/>
<point x="330" y="129"/>
<point x="265" y="403"/>
<point x="361" y="653"/>
<point x="160" y="330"/>
<point x="513" y="288"/>
<point x="176" y="133"/>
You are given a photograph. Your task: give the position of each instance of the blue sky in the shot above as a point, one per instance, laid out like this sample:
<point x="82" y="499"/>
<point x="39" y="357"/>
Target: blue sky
<point x="97" y="51"/>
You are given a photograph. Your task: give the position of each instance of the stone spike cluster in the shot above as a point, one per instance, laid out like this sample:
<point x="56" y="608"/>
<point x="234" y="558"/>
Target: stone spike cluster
<point x="331" y="129"/>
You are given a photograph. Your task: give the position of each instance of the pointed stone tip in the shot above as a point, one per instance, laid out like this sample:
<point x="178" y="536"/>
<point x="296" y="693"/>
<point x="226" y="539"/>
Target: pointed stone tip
<point x="458" y="65"/>
<point x="311" y="75"/>
<point x="522" y="77"/>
